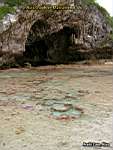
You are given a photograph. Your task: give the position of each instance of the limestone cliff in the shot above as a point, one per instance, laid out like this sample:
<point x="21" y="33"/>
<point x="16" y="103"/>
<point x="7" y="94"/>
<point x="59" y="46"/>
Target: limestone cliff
<point x="57" y="36"/>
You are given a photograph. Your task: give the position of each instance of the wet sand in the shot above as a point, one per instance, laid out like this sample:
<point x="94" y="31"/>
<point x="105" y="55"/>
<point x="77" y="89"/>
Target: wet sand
<point x="26" y="122"/>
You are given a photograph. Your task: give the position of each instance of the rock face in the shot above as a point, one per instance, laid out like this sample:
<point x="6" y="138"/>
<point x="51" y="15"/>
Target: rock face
<point x="57" y="36"/>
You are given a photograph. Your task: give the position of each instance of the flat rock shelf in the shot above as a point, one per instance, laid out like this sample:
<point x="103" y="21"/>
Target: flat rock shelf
<point x="55" y="107"/>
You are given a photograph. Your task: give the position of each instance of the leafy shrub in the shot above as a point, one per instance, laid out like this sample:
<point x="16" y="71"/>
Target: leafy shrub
<point x="12" y="3"/>
<point x="4" y="10"/>
<point x="89" y="2"/>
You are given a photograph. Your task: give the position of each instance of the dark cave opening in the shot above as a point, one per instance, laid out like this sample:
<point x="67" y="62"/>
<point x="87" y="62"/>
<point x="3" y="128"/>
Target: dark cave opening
<point x="43" y="48"/>
<point x="36" y="53"/>
<point x="49" y="48"/>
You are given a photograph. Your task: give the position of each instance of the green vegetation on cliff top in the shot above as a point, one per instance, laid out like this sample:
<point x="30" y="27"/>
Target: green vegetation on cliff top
<point x="4" y="10"/>
<point x="12" y="3"/>
<point x="9" y="6"/>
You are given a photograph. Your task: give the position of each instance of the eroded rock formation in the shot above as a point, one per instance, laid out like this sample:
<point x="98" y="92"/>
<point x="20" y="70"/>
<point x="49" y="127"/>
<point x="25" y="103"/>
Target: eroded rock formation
<point x="57" y="36"/>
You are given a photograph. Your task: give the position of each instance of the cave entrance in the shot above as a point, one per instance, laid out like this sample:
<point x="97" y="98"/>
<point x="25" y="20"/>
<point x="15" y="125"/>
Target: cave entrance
<point x="35" y="46"/>
<point x="43" y="47"/>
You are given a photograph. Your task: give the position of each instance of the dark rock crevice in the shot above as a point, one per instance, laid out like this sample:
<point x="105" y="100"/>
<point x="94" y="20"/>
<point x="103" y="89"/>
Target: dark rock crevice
<point x="50" y="48"/>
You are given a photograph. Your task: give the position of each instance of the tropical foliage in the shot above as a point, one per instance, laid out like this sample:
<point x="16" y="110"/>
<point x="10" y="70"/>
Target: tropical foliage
<point x="4" y="10"/>
<point x="15" y="2"/>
